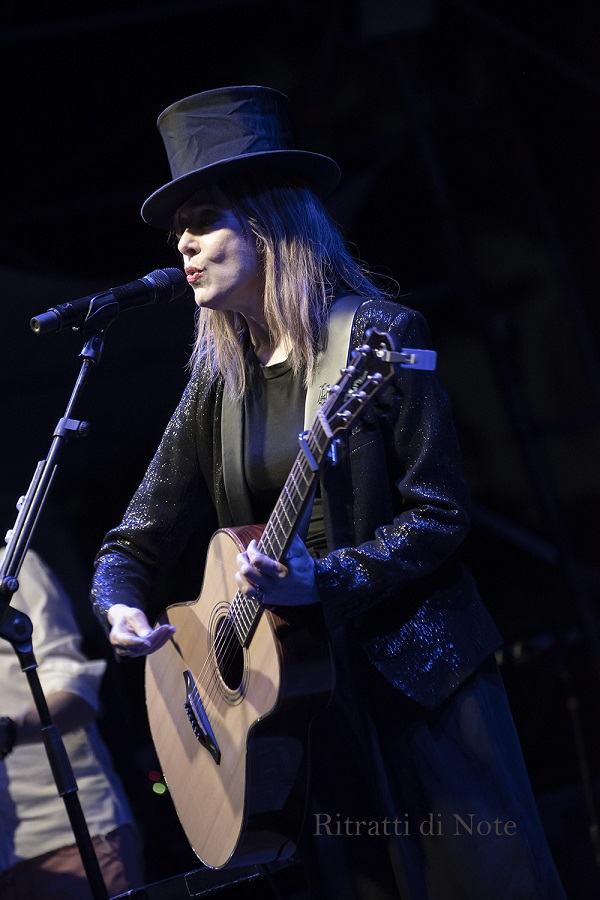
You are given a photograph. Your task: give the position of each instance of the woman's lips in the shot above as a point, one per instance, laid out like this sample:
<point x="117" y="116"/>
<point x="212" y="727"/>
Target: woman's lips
<point x="193" y="274"/>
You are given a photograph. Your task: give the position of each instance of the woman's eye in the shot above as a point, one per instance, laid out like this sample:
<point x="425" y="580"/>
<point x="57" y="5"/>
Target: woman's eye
<point x="201" y="222"/>
<point x="196" y="221"/>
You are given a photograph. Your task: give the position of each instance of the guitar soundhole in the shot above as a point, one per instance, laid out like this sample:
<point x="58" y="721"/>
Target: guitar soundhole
<point x="229" y="654"/>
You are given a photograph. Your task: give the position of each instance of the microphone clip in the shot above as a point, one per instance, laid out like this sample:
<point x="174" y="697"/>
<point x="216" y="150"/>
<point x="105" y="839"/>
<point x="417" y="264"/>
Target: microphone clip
<point x="102" y="311"/>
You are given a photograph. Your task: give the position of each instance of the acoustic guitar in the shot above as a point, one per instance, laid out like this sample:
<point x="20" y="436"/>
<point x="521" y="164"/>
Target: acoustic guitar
<point x="232" y="694"/>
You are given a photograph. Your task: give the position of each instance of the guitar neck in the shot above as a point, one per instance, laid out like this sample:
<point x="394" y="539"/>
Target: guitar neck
<point x="370" y="370"/>
<point x="287" y="514"/>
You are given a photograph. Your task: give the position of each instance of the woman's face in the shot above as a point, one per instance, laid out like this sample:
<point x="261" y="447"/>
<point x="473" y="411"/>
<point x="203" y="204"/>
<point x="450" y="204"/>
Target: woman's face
<point x="220" y="258"/>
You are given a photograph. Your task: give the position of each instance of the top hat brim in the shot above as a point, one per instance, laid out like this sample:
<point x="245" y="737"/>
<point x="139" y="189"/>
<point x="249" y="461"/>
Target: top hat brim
<point x="320" y="173"/>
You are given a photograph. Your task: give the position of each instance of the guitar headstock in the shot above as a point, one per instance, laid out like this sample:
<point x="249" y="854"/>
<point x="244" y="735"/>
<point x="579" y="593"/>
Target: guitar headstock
<point x="372" y="369"/>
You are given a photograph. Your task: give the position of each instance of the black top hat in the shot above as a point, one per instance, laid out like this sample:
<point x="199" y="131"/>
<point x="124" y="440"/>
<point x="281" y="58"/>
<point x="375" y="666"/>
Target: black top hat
<point x="216" y="134"/>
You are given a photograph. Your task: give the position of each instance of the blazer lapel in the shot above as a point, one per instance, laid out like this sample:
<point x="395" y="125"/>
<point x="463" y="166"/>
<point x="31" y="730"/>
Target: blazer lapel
<point x="232" y="443"/>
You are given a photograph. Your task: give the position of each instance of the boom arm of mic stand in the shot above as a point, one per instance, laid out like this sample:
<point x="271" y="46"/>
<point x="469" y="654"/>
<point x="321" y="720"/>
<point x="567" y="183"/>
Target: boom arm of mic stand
<point x="16" y="628"/>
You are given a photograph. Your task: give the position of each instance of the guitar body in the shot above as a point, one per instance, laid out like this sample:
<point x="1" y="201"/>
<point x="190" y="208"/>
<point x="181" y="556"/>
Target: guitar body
<point x="231" y="723"/>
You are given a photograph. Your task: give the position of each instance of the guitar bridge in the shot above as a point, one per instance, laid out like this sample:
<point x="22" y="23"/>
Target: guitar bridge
<point x="198" y="718"/>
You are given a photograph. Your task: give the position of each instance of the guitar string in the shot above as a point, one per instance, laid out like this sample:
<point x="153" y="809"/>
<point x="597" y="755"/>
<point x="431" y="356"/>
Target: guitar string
<point x="230" y="642"/>
<point x="243" y="612"/>
<point x="226" y="646"/>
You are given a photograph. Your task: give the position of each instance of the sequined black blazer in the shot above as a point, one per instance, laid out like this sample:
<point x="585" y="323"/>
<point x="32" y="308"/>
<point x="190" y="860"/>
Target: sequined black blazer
<point x="395" y="511"/>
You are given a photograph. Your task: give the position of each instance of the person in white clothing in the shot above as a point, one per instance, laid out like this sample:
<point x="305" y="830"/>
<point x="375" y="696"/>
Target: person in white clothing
<point x="39" y="856"/>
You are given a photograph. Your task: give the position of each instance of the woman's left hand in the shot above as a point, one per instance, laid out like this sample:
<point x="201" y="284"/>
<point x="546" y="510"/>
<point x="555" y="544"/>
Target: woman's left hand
<point x="274" y="583"/>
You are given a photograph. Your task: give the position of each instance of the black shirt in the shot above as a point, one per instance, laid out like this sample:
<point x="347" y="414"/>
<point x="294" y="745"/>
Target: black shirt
<point x="273" y="420"/>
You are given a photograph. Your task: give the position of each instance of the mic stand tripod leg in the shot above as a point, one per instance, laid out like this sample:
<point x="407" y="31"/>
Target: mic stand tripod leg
<point x="17" y="630"/>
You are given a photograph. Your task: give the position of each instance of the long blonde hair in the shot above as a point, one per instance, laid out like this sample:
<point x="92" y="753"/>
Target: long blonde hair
<point x="306" y="263"/>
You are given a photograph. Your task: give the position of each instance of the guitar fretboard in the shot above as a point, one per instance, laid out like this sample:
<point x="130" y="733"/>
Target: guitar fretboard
<point x="286" y="516"/>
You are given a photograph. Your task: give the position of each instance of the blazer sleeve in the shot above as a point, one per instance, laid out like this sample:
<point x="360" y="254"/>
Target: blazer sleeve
<point x="168" y="506"/>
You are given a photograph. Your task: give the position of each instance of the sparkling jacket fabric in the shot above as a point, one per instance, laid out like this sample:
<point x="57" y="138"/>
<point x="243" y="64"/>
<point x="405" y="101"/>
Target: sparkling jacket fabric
<point x="396" y="513"/>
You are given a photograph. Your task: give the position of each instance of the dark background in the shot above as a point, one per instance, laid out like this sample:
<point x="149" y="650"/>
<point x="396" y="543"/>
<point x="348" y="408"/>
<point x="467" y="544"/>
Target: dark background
<point x="468" y="136"/>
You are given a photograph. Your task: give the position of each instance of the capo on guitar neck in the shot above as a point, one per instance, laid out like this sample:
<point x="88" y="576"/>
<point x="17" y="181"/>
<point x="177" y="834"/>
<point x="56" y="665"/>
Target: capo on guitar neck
<point x="302" y="438"/>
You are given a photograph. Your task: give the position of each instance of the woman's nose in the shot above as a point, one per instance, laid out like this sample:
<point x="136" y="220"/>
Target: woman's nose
<point x="187" y="244"/>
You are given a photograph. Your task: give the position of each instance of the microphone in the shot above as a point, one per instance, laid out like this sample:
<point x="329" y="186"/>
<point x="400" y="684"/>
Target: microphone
<point x="157" y="287"/>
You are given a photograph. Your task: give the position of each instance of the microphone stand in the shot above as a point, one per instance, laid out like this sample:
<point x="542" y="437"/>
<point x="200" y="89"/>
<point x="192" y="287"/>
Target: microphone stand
<point x="17" y="628"/>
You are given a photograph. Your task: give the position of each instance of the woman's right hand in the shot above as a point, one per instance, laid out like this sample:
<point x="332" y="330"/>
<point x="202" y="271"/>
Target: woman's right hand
<point x="131" y="633"/>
